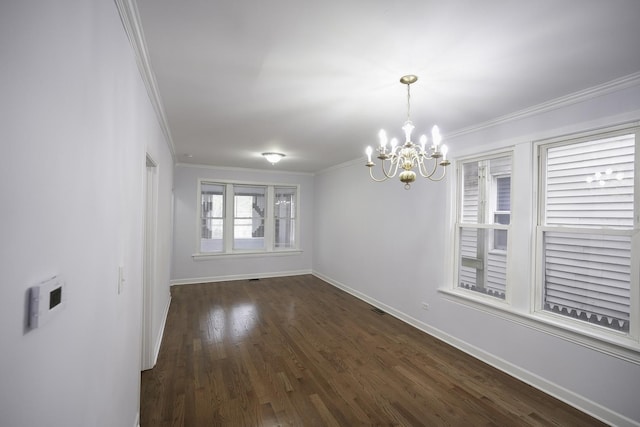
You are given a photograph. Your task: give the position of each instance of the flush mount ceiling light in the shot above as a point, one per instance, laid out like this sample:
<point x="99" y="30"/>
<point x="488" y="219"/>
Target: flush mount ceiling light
<point x="273" y="158"/>
<point x="409" y="155"/>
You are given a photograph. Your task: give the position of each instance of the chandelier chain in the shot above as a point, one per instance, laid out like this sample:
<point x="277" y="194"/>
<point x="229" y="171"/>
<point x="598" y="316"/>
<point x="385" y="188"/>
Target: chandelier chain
<point x="408" y="102"/>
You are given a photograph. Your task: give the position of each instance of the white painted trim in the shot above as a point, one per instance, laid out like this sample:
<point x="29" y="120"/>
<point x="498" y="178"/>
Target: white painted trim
<point x="554" y="104"/>
<point x="237" y="169"/>
<point x="243" y="182"/>
<point x="593" y="337"/>
<point x="150" y="257"/>
<point x="158" y="343"/>
<point x="358" y="161"/>
<point x="239" y="277"/>
<point x="136" y="423"/>
<point x="130" y="18"/>
<point x="248" y="254"/>
<point x="628" y="118"/>
<point x="592" y="408"/>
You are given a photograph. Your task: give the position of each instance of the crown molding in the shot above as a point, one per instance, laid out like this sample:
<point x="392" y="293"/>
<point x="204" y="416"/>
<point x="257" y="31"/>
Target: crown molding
<point x="358" y="161"/>
<point x="238" y="169"/>
<point x="622" y="83"/>
<point x="564" y="101"/>
<point x="130" y="18"/>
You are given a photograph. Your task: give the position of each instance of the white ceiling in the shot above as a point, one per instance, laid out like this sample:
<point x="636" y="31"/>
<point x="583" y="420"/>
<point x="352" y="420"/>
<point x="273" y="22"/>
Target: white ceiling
<point x="316" y="80"/>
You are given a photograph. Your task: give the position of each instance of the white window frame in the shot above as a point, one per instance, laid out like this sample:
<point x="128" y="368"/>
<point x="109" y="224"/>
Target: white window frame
<point x="202" y="218"/>
<point x="235" y="218"/>
<point x="293" y="219"/>
<point x="487" y="207"/>
<point x="228" y="221"/>
<point x="523" y="289"/>
<point x="493" y="210"/>
<point x="569" y="323"/>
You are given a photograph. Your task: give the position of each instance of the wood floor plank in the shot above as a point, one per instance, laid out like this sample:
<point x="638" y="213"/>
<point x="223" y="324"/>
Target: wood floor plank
<point x="296" y="351"/>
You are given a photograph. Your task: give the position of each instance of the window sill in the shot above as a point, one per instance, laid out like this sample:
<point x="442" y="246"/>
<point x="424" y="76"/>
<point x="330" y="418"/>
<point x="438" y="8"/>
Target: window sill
<point x="245" y="254"/>
<point x="612" y="343"/>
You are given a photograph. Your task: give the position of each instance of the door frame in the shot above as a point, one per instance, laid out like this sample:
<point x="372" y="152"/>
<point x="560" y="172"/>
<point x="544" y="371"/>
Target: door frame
<point x="149" y="261"/>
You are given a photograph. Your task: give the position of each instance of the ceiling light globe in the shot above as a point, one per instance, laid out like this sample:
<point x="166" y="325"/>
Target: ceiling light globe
<point x="273" y="158"/>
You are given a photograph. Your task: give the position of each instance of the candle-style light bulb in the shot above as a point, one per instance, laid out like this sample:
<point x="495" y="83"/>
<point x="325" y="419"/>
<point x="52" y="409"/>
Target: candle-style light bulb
<point x="437" y="138"/>
<point x="369" y="150"/>
<point x="408" y="128"/>
<point x="383" y="139"/>
<point x="394" y="143"/>
<point x="444" y="150"/>
<point x="423" y="141"/>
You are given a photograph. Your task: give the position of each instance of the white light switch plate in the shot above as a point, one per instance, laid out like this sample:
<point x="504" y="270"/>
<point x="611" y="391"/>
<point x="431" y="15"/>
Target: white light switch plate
<point x="120" y="279"/>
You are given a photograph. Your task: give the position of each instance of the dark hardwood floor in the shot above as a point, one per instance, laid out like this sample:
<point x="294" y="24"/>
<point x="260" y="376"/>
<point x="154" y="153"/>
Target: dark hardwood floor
<point x="296" y="351"/>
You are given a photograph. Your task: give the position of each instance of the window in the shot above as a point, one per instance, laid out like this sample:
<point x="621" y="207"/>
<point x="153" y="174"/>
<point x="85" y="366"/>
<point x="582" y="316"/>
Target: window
<point x="285" y="217"/>
<point x="484" y="218"/>
<point x="502" y="209"/>
<point x="247" y="218"/>
<point x="585" y="229"/>
<point x="211" y="217"/>
<point x="548" y="235"/>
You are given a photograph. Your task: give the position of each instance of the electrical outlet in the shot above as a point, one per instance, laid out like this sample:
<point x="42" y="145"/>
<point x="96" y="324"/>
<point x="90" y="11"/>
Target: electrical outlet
<point x="425" y="306"/>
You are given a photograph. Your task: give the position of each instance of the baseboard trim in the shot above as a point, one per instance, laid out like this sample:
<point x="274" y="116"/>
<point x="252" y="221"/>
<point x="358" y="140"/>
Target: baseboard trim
<point x="158" y="343"/>
<point x="577" y="401"/>
<point x="239" y="277"/>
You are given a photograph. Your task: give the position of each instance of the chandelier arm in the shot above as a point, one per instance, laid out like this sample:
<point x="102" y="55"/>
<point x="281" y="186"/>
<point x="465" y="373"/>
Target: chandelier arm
<point x="424" y="172"/>
<point x="392" y="172"/>
<point x="397" y="164"/>
<point x="444" y="172"/>
<point x="374" y="178"/>
<point x="416" y="159"/>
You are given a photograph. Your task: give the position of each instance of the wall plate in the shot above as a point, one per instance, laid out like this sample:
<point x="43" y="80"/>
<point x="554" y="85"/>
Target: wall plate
<point x="45" y="301"/>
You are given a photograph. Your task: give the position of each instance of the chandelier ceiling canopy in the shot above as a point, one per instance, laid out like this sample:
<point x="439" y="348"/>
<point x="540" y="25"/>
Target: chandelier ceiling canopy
<point x="409" y="156"/>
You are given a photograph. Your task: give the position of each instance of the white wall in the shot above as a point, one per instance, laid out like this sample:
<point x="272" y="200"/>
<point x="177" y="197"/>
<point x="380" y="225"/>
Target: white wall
<point x="186" y="269"/>
<point x="75" y="124"/>
<point x="396" y="257"/>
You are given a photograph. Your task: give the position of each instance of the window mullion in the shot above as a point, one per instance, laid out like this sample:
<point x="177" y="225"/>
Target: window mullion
<point x="269" y="220"/>
<point x="199" y="225"/>
<point x="229" y="220"/>
<point x="482" y="193"/>
<point x="483" y="218"/>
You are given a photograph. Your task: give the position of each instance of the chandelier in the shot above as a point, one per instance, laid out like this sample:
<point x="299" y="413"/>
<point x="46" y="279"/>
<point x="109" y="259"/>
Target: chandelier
<point x="410" y="156"/>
